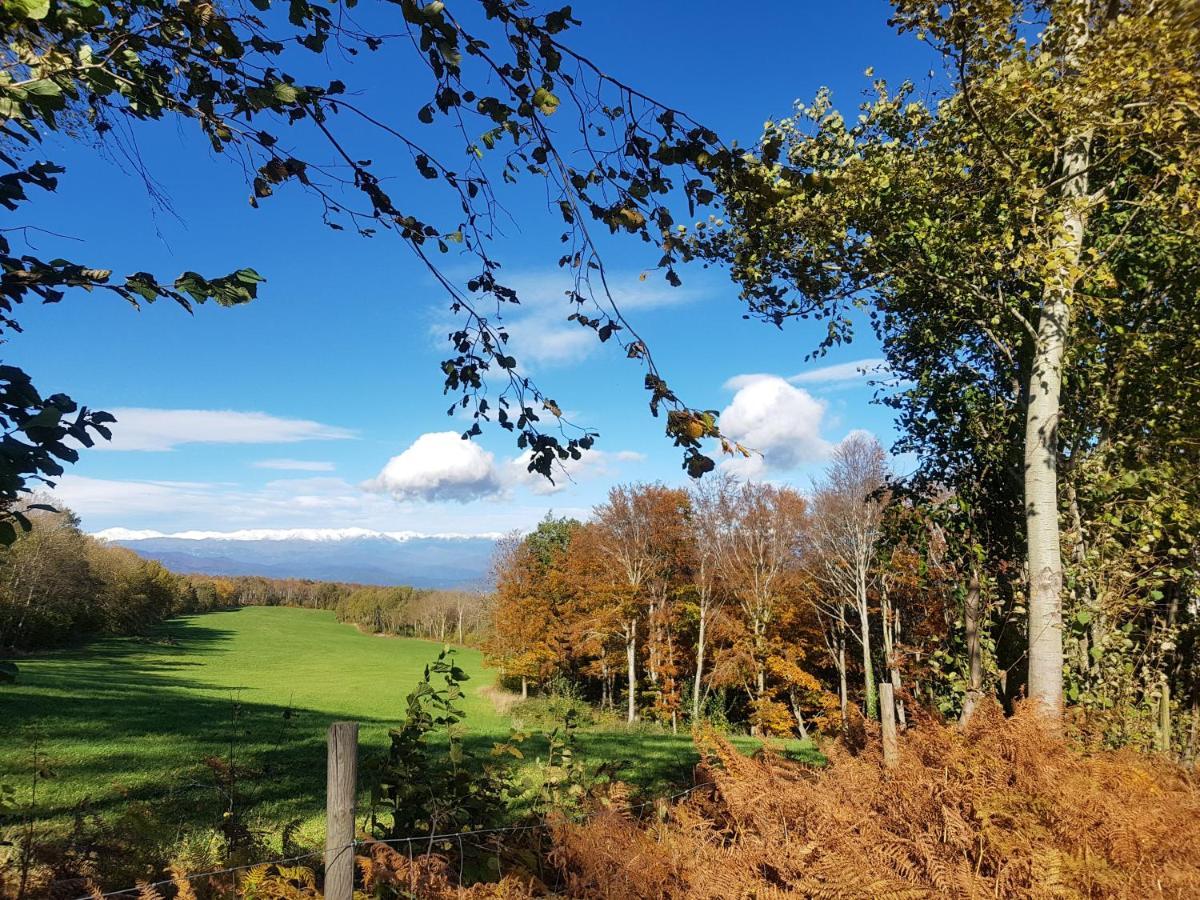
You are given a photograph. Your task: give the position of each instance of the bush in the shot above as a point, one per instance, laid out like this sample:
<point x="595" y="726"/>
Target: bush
<point x="561" y="700"/>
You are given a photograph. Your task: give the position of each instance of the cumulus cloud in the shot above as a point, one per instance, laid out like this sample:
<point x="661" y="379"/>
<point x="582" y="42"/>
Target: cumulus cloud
<point x="439" y="466"/>
<point x="295" y="465"/>
<point x="841" y="372"/>
<point x="165" y="429"/>
<point x="778" y="420"/>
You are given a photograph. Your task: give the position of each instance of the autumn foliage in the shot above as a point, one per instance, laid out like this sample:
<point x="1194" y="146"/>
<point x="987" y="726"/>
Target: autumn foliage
<point x="999" y="809"/>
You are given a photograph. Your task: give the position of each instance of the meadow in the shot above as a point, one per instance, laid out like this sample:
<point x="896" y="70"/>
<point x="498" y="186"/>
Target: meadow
<point x="123" y="727"/>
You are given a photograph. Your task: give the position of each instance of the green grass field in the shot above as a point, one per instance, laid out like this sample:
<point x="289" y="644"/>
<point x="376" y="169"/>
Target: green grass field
<point x="127" y="723"/>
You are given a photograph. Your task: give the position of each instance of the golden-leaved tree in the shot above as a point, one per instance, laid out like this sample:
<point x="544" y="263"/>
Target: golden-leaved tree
<point x="1027" y="244"/>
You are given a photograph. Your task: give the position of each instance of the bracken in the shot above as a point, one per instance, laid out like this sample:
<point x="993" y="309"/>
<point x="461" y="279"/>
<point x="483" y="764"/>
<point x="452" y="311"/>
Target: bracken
<point x="1001" y="809"/>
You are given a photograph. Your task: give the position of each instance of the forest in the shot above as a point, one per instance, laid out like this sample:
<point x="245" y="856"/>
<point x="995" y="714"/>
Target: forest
<point x="59" y="586"/>
<point x="780" y="610"/>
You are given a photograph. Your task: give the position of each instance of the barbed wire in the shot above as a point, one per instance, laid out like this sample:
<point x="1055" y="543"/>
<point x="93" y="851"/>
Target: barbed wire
<point x="427" y="838"/>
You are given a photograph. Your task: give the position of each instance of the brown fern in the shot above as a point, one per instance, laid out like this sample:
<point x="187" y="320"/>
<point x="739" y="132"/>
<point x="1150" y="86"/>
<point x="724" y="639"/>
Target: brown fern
<point x="1001" y="809"/>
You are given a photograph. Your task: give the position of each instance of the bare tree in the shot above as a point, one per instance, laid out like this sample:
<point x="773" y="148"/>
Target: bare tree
<point x="711" y="521"/>
<point x="846" y="524"/>
<point x="760" y="544"/>
<point x="626" y="540"/>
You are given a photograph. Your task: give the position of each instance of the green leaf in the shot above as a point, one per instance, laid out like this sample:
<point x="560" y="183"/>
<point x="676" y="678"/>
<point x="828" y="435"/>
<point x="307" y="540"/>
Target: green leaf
<point x="46" y="417"/>
<point x="29" y="9"/>
<point x="285" y="93"/>
<point x="248" y="276"/>
<point x="545" y="101"/>
<point x="43" y="87"/>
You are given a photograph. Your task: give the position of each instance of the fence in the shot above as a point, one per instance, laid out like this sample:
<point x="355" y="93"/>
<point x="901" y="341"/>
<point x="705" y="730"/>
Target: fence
<point x="341" y="791"/>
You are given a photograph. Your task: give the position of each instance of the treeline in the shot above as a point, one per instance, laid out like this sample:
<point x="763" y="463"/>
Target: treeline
<point x="782" y="611"/>
<point x="59" y="586"/>
<point x="442" y="615"/>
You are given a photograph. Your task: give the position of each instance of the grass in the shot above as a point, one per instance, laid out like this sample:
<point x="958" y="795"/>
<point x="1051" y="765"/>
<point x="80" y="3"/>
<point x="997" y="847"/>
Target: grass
<point x="129" y="722"/>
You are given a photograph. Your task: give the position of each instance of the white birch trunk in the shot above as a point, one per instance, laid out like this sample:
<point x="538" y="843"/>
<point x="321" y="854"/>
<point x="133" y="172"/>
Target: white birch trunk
<point x="1041" y="429"/>
<point x="631" y="662"/>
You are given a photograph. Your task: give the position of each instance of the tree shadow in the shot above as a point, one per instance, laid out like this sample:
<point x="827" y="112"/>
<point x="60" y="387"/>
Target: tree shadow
<point x="103" y="723"/>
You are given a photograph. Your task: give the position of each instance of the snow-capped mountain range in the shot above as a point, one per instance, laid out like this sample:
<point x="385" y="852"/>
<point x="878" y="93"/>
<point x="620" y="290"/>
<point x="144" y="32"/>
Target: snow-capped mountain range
<point x="117" y="535"/>
<point x="333" y="554"/>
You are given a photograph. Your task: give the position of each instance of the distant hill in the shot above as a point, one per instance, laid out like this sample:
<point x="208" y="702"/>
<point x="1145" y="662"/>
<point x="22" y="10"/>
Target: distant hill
<point x="327" y="554"/>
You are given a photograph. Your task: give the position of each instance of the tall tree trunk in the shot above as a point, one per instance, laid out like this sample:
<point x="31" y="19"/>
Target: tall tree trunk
<point x="524" y="688"/>
<point x="1041" y="422"/>
<point x="800" y="726"/>
<point x="652" y="644"/>
<point x="843" y="687"/>
<point x="631" y="663"/>
<point x="700" y="636"/>
<point x="901" y="716"/>
<point x="891" y="637"/>
<point x="872" y="690"/>
<point x="972" y="612"/>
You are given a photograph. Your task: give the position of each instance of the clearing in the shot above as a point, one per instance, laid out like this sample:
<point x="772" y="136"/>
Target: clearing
<point x="126" y="724"/>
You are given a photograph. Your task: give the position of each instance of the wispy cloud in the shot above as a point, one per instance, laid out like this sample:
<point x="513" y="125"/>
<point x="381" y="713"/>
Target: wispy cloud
<point x="839" y="373"/>
<point x="319" y="502"/>
<point x="145" y="429"/>
<point x="541" y="335"/>
<point x="592" y="465"/>
<point x="295" y="465"/>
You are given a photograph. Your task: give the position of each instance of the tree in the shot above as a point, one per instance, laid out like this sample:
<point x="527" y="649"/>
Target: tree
<point x="760" y="549"/>
<point x="985" y="230"/>
<point x="710" y="526"/>
<point x="626" y="539"/>
<point x="45" y="583"/>
<point x="845" y="528"/>
<point x="528" y="633"/>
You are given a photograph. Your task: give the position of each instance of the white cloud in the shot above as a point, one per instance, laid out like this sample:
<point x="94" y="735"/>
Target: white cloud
<point x="841" y="372"/>
<point x="540" y="334"/>
<point x="322" y="503"/>
<point x="165" y="429"/>
<point x="325" y="535"/>
<point x="295" y="465"/>
<point x="778" y="420"/>
<point x="591" y="465"/>
<point x="439" y="465"/>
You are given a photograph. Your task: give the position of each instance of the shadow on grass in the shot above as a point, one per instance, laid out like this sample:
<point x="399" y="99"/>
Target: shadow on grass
<point x="120" y="722"/>
<point x="131" y="723"/>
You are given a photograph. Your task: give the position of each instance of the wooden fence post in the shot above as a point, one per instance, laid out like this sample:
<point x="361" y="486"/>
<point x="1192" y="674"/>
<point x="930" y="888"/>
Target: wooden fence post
<point x="341" y="789"/>
<point x="1163" y="731"/>
<point x="887" y="718"/>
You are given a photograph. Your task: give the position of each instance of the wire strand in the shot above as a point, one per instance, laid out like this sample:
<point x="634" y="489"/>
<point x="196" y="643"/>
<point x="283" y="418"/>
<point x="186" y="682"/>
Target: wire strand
<point x="231" y="869"/>
<point x="450" y="835"/>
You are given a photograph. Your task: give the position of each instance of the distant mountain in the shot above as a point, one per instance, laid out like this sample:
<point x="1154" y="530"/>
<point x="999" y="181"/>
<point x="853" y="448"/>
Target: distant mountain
<point x="328" y="554"/>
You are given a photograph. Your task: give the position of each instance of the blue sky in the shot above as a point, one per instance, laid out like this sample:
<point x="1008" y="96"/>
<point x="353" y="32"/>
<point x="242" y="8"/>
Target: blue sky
<point x="320" y="404"/>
